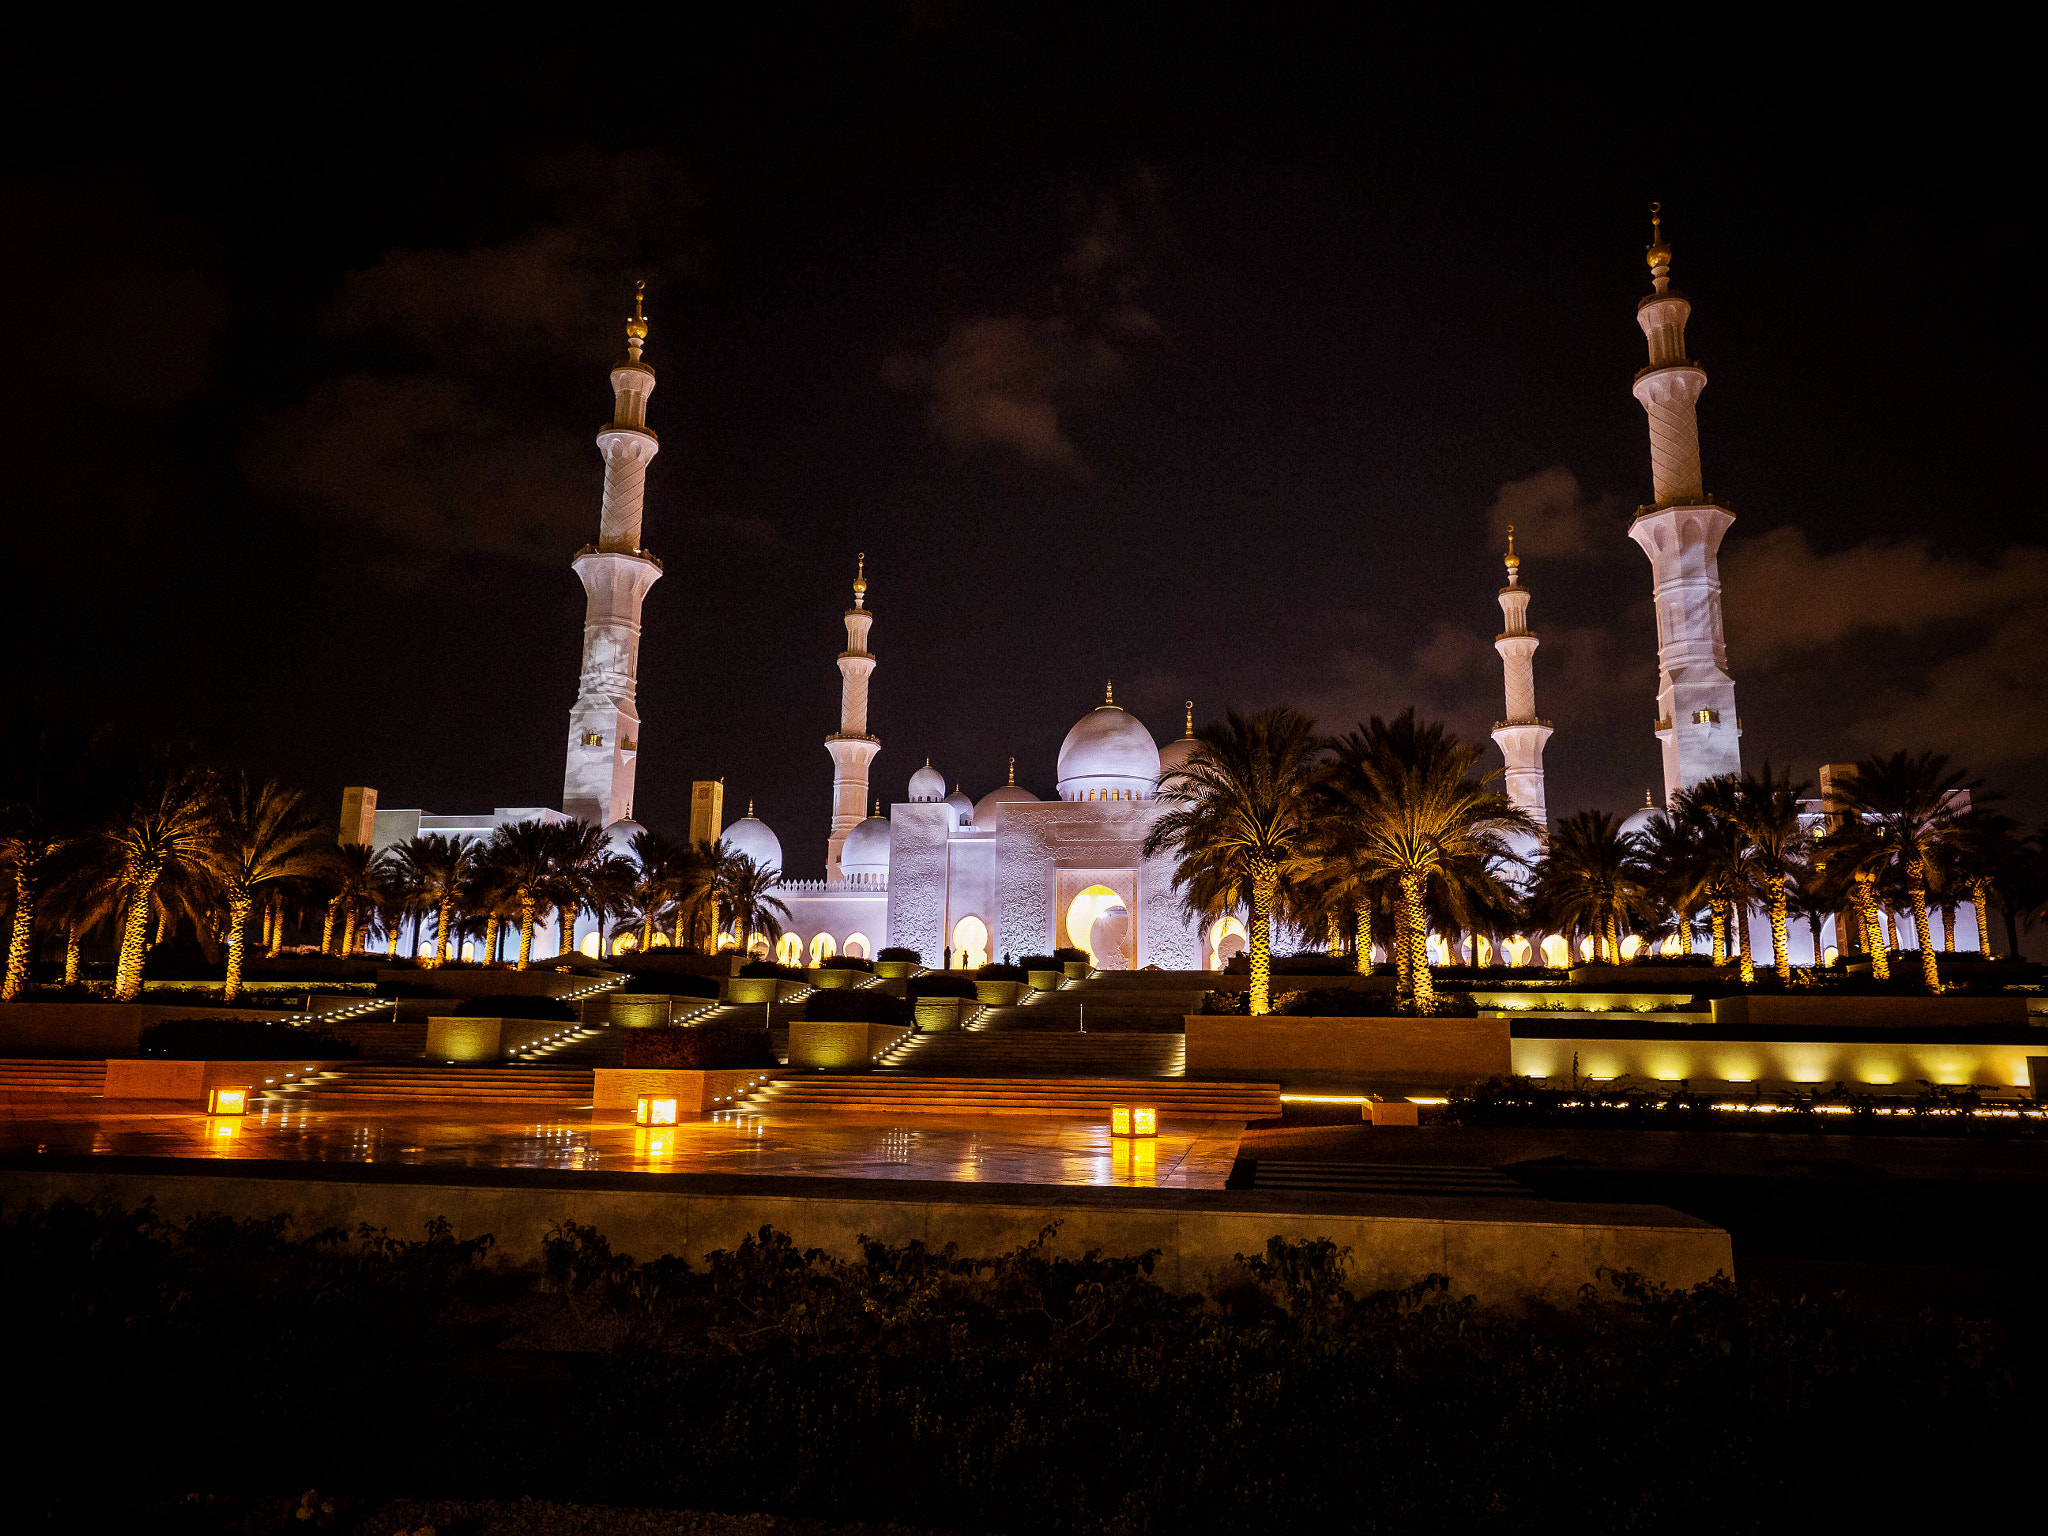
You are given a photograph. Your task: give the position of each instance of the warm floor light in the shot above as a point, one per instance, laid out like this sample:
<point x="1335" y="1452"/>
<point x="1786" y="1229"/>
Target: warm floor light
<point x="654" y="1112"/>
<point x="227" y="1101"/>
<point x="1133" y="1120"/>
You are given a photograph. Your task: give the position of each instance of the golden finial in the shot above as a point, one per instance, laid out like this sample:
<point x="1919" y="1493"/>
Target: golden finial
<point x="1648" y="803"/>
<point x="750" y="810"/>
<point x="1013" y="770"/>
<point x="1513" y="561"/>
<point x="1191" y="718"/>
<point x="1109" y="695"/>
<point x="1659" y="254"/>
<point x="860" y="582"/>
<point x="636" y="328"/>
<point x="878" y="808"/>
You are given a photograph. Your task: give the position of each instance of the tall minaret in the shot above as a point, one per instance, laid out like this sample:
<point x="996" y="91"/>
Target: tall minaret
<point x="851" y="746"/>
<point x="1681" y="533"/>
<point x="1521" y="735"/>
<point x="604" y="723"/>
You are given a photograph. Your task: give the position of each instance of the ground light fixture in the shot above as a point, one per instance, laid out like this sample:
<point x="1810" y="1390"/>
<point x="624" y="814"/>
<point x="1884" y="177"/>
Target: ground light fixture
<point x="648" y="1111"/>
<point x="1133" y="1120"/>
<point x="227" y="1101"/>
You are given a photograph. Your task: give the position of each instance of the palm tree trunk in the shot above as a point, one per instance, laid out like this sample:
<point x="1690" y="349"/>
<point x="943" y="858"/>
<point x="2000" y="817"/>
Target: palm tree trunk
<point x="239" y="903"/>
<point x="1930" y="973"/>
<point x="1404" y="959"/>
<point x="74" y="949"/>
<point x="1335" y="944"/>
<point x="1813" y="927"/>
<point x="1265" y="882"/>
<point x="21" y="940"/>
<point x="647" y="930"/>
<point x="1717" y="911"/>
<point x="442" y="913"/>
<point x="277" y="928"/>
<point x="569" y="911"/>
<point x="327" y="926"/>
<point x="1415" y="918"/>
<point x="1741" y="916"/>
<point x="134" y="941"/>
<point x="491" y="926"/>
<point x="348" y="931"/>
<point x="1979" y="891"/>
<point x="391" y="937"/>
<point x="1874" y="938"/>
<point x="1612" y="938"/>
<point x="1781" y="943"/>
<point x="1948" y="927"/>
<point x="1361" y="935"/>
<point x="527" y="906"/>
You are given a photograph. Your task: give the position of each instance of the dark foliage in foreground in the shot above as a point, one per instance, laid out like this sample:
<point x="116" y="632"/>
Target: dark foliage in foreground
<point x="857" y="1005"/>
<point x="512" y="1005"/>
<point x="240" y="1040"/>
<point x="1024" y="1393"/>
<point x="697" y="1048"/>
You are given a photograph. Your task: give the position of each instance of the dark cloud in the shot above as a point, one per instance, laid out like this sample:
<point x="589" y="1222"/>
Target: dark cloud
<point x="1554" y="517"/>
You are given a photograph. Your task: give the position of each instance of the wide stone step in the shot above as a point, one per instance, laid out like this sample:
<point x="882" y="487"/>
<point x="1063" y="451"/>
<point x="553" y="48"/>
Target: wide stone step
<point x="902" y="1094"/>
<point x="28" y="1075"/>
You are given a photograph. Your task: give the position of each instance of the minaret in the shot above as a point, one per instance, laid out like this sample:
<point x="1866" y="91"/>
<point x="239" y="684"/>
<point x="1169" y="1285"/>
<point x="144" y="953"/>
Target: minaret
<point x="851" y="746"/>
<point x="604" y="723"/>
<point x="1521" y="735"/>
<point x="1681" y="533"/>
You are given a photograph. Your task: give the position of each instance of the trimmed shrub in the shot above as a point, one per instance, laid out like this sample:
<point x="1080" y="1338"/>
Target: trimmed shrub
<point x="1038" y="963"/>
<point x="1063" y="956"/>
<point x="915" y="957"/>
<point x="766" y="969"/>
<point x="847" y="963"/>
<point x="709" y="1048"/>
<point x="863" y="1005"/>
<point x="510" y="1006"/>
<point x="1001" y="973"/>
<point x="941" y="984"/>
<point x="1356" y="1003"/>
<point x="240" y="1040"/>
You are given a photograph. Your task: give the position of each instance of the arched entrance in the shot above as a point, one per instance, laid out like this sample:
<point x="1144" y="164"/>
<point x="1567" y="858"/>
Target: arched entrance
<point x="970" y="943"/>
<point x="1098" y="923"/>
<point x="823" y="948"/>
<point x="1226" y="938"/>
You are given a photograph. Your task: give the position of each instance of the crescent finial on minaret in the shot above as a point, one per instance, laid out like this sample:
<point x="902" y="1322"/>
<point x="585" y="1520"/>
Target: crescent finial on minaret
<point x="1013" y="770"/>
<point x="1513" y="561"/>
<point x="636" y="328"/>
<point x="1191" y="718"/>
<point x="860" y="582"/>
<point x="1658" y="254"/>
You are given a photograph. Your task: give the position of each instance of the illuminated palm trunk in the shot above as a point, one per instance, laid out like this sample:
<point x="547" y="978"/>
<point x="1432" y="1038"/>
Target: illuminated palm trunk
<point x="1334" y="946"/>
<point x="1613" y="941"/>
<point x="21" y="940"/>
<point x="348" y="931"/>
<point x="492" y="925"/>
<point x="239" y="903"/>
<point x="1980" y="905"/>
<point x="135" y="933"/>
<point x="74" y="950"/>
<point x="570" y="912"/>
<point x="1741" y="916"/>
<point x="1265" y="881"/>
<point x="1415" y="917"/>
<point x="441" y="915"/>
<point x="327" y="926"/>
<point x="1361" y="935"/>
<point x="1874" y="938"/>
<point x="1948" y="928"/>
<point x="1717" y="911"/>
<point x="527" y="907"/>
<point x="1930" y="972"/>
<point x="1781" y="946"/>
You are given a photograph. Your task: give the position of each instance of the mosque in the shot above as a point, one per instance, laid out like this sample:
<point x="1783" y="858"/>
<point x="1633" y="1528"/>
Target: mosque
<point x="963" y="881"/>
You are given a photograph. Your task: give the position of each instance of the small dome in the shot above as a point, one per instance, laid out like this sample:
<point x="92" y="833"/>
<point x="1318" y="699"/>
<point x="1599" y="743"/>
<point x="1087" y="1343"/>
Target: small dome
<point x="753" y="838"/>
<point x="1175" y="754"/>
<point x="1007" y="794"/>
<point x="927" y="783"/>
<point x="963" y="808"/>
<point x="864" y="857"/>
<point x="1639" y="821"/>
<point x="1109" y="755"/>
<point x="618" y="837"/>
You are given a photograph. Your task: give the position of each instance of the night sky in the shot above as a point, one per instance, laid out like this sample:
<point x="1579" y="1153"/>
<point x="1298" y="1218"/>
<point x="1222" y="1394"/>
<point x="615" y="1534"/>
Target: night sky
<point x="1206" y="360"/>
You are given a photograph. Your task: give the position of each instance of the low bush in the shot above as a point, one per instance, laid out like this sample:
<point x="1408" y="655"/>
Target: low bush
<point x="705" y="1048"/>
<point x="240" y="1040"/>
<point x="915" y="957"/>
<point x="1843" y="1109"/>
<point x="769" y="968"/>
<point x="508" y="1005"/>
<point x="1067" y="956"/>
<point x="940" y="984"/>
<point x="1030" y="1392"/>
<point x="1038" y="963"/>
<point x="672" y="984"/>
<point x="847" y="963"/>
<point x="1357" y="1003"/>
<point x="1001" y="973"/>
<point x="857" y="1005"/>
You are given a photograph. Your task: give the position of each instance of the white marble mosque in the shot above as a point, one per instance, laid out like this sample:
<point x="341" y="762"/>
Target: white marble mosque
<point x="963" y="880"/>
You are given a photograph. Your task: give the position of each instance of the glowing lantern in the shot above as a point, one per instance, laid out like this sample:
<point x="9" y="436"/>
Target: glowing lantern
<point x="654" y="1112"/>
<point x="227" y="1101"/>
<point x="1133" y="1120"/>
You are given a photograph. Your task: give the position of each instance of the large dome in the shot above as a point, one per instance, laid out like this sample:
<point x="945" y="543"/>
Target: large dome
<point x="755" y="840"/>
<point x="927" y="783"/>
<point x="1108" y="755"/>
<point x="864" y="857"/>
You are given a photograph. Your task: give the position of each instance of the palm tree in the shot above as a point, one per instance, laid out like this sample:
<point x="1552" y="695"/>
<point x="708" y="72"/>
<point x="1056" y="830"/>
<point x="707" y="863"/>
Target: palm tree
<point x="436" y="866"/>
<point x="1593" y="879"/>
<point x="611" y="890"/>
<point x="1676" y="870"/>
<point x="45" y="789"/>
<point x="1915" y="803"/>
<point x="1713" y="807"/>
<point x="361" y="875"/>
<point x="524" y="857"/>
<point x="656" y="861"/>
<point x="1987" y="850"/>
<point x="265" y="834"/>
<point x="579" y="847"/>
<point x="167" y="827"/>
<point x="745" y="891"/>
<point x="1240" y="823"/>
<point x="1766" y="810"/>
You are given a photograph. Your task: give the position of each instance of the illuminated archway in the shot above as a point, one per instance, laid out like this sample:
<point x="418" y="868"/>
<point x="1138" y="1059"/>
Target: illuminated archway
<point x="1675" y="945"/>
<point x="1585" y="949"/>
<point x="858" y="946"/>
<point x="625" y="943"/>
<point x="970" y="943"/>
<point x="1631" y="946"/>
<point x="591" y="944"/>
<point x="823" y="948"/>
<point x="789" y="949"/>
<point x="1095" y="902"/>
<point x="469" y="951"/>
<point x="659" y="941"/>
<point x="1556" y="953"/>
<point x="1515" y="950"/>
<point x="1226" y="931"/>
<point x="1439" y="951"/>
<point x="1482" y="950"/>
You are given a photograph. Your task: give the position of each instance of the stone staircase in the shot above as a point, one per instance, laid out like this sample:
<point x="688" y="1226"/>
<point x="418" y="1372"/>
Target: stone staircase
<point x="34" y="1075"/>
<point x="480" y="1087"/>
<point x="902" y="1093"/>
<point x="1107" y="1002"/>
<point x="1035" y="1053"/>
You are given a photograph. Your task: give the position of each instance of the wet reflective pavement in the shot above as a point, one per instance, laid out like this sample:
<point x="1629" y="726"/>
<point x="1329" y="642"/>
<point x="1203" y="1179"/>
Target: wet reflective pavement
<point x="1194" y="1155"/>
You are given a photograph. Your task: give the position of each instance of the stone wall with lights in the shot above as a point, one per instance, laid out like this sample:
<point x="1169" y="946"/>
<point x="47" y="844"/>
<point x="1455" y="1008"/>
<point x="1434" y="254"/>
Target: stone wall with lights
<point x="1770" y="1064"/>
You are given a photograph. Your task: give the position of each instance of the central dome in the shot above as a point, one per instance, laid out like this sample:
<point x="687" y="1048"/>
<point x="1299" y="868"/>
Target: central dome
<point x="1108" y="755"/>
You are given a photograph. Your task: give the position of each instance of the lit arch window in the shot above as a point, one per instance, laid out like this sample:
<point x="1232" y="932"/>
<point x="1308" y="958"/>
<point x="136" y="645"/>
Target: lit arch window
<point x="789" y="949"/>
<point x="970" y="943"/>
<point x="859" y="946"/>
<point x="1556" y="953"/>
<point x="1226" y="938"/>
<point x="823" y="948"/>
